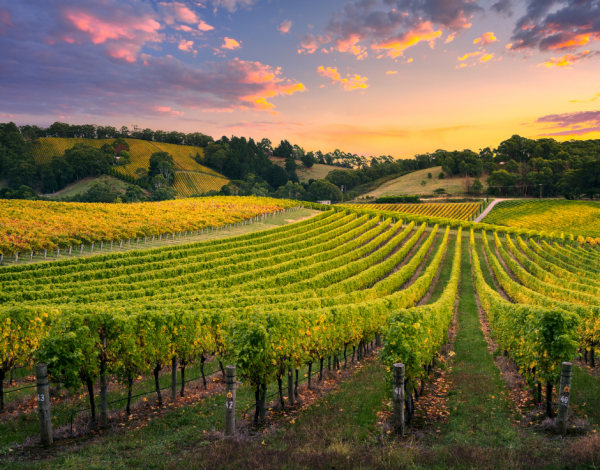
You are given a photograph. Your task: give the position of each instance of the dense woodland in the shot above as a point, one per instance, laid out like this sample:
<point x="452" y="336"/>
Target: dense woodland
<point x="518" y="167"/>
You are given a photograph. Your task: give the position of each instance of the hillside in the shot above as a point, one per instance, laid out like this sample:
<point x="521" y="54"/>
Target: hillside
<point x="201" y="178"/>
<point x="84" y="184"/>
<point x="411" y="184"/>
<point x="317" y="171"/>
<point x="576" y="217"/>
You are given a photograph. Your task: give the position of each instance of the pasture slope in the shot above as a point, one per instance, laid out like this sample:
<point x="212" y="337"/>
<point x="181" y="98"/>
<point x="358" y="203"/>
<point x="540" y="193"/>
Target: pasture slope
<point x="339" y="298"/>
<point x="411" y="184"/>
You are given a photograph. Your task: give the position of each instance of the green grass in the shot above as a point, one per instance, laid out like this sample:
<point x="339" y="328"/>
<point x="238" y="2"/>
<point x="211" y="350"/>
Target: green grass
<point x="411" y="184"/>
<point x="316" y="172"/>
<point x="82" y="186"/>
<point x="480" y="408"/>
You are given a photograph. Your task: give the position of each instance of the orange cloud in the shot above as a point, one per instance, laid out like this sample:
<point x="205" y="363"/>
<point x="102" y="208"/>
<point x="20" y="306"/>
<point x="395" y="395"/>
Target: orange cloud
<point x="486" y="57"/>
<point x="568" y="59"/>
<point x="353" y="82"/>
<point x="269" y="83"/>
<point x="395" y="47"/>
<point x="485" y="39"/>
<point x="230" y="44"/>
<point x="391" y="72"/>
<point x="450" y="38"/>
<point x="471" y="54"/>
<point x="576" y="40"/>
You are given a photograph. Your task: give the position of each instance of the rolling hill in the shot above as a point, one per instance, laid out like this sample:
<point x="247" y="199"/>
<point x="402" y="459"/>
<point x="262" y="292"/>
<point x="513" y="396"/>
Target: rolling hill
<point x="411" y="184"/>
<point x="191" y="178"/>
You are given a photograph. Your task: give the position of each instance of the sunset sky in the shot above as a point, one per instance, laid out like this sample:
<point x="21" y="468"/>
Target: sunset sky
<point x="373" y="77"/>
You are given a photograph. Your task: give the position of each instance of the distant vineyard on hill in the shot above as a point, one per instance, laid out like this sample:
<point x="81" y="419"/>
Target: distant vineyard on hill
<point x="192" y="183"/>
<point x="202" y="179"/>
<point x="464" y="211"/>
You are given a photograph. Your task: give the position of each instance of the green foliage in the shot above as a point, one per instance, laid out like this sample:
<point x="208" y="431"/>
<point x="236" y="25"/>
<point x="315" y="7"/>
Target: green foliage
<point x="322" y="190"/>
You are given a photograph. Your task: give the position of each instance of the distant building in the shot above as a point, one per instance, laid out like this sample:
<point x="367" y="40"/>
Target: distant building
<point x="324" y="202"/>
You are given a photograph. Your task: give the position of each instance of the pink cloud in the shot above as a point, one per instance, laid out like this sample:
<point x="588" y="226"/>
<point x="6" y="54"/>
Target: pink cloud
<point x="230" y="44"/>
<point x="285" y="27"/>
<point x="350" y="83"/>
<point x="168" y="110"/>
<point x="179" y="12"/>
<point x="471" y="54"/>
<point x="577" y="123"/>
<point x="485" y="39"/>
<point x="186" y="46"/>
<point x="123" y="37"/>
<point x="202" y="26"/>
<point x="310" y="43"/>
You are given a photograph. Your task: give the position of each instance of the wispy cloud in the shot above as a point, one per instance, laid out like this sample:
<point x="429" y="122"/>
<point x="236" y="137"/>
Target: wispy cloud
<point x="285" y="26"/>
<point x="577" y="123"/>
<point x="352" y="82"/>
<point x="569" y="59"/>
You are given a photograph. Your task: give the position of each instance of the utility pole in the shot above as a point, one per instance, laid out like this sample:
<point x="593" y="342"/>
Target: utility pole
<point x="540" y="191"/>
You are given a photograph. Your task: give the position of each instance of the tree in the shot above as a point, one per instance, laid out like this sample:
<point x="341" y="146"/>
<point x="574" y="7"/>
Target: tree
<point x="276" y="176"/>
<point x="134" y="193"/>
<point x="308" y="160"/>
<point x="284" y="150"/>
<point x="467" y="183"/>
<point x="290" y="165"/>
<point x="165" y="169"/>
<point x="439" y="191"/>
<point x="119" y="145"/>
<point x="163" y="194"/>
<point x="499" y="182"/>
<point x="100" y="192"/>
<point x="141" y="173"/>
<point x="441" y="175"/>
<point x="429" y="175"/>
<point x="477" y="187"/>
<point x="291" y="191"/>
<point x="159" y="181"/>
<point x="156" y="158"/>
<point x="322" y="190"/>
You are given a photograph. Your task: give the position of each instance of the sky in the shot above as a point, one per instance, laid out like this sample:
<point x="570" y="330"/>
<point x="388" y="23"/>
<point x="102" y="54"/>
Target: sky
<point x="372" y="77"/>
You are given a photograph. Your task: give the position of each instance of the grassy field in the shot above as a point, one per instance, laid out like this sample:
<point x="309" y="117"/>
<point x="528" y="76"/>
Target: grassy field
<point x="84" y="184"/>
<point x="316" y="172"/>
<point x="577" y="217"/>
<point x="411" y="184"/>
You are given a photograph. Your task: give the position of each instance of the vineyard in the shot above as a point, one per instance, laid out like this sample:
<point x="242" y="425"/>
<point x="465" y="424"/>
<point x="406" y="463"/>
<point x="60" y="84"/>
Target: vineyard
<point x="291" y="298"/>
<point x="577" y="217"/>
<point x="188" y="183"/>
<point x="461" y="211"/>
<point x="28" y="227"/>
<point x="201" y="178"/>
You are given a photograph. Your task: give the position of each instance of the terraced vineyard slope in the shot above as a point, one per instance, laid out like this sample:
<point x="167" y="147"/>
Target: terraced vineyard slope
<point x="576" y="217"/>
<point x="458" y="211"/>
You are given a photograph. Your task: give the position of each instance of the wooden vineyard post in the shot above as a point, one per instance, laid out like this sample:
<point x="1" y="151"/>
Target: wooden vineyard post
<point x="399" y="398"/>
<point x="290" y="387"/>
<point x="103" y="390"/>
<point x="564" y="395"/>
<point x="174" y="378"/>
<point x="230" y="401"/>
<point x="43" y="399"/>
